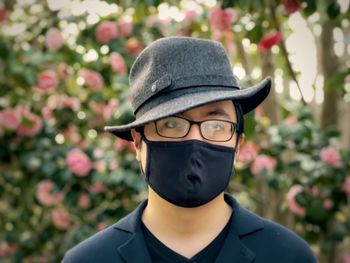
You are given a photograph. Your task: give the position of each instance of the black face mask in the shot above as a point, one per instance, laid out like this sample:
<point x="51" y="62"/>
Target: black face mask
<point x="188" y="173"/>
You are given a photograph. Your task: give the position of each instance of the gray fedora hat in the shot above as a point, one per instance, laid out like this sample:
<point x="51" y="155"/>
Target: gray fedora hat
<point x="175" y="74"/>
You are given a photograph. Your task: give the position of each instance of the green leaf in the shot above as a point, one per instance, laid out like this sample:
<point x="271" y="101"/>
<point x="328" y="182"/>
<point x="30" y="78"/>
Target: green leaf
<point x="336" y="81"/>
<point x="310" y="8"/>
<point x="333" y="10"/>
<point x="3" y="49"/>
<point x="256" y="33"/>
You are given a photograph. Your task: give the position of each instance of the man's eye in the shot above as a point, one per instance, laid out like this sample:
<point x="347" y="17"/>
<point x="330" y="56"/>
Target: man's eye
<point x="171" y="124"/>
<point x="217" y="126"/>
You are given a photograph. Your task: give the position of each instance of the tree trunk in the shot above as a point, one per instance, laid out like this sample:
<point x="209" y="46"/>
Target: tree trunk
<point x="270" y="106"/>
<point x="329" y="66"/>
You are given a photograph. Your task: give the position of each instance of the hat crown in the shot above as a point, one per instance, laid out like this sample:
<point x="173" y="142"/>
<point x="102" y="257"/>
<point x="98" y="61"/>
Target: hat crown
<point x="174" y="63"/>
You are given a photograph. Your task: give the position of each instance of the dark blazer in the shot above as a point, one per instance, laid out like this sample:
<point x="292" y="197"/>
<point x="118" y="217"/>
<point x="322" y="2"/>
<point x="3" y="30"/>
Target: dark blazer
<point x="250" y="239"/>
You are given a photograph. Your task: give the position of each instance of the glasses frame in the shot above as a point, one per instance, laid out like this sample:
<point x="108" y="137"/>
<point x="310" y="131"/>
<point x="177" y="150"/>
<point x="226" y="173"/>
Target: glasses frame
<point x="234" y="127"/>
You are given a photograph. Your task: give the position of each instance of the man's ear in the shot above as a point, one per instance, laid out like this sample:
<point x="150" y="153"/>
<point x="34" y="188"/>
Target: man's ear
<point x="241" y="139"/>
<point x="136" y="136"/>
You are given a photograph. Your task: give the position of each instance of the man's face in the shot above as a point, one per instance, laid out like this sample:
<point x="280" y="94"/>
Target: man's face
<point x="222" y="110"/>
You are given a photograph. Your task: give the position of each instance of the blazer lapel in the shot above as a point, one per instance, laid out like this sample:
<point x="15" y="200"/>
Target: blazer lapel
<point x="242" y="223"/>
<point x="234" y="250"/>
<point x="134" y="249"/>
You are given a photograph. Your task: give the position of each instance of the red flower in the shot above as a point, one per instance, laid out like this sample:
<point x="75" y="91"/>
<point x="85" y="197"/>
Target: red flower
<point x="291" y="6"/>
<point x="268" y="41"/>
<point x="106" y="31"/>
<point x="78" y="163"/>
<point x="7" y="249"/>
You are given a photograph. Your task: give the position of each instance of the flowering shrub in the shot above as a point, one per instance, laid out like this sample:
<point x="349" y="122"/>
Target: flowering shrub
<point x="64" y="75"/>
<point x="307" y="163"/>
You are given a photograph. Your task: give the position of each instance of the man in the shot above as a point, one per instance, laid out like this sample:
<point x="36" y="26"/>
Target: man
<point x="189" y="125"/>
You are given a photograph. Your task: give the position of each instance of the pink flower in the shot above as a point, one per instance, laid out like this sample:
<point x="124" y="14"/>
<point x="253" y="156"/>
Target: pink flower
<point x="60" y="218"/>
<point x="109" y="109"/>
<point x="248" y="152"/>
<point x="261" y="163"/>
<point x="121" y="145"/>
<point x="133" y="46"/>
<point x="291" y="6"/>
<point x="45" y="196"/>
<point x="156" y="22"/>
<point x="97" y="188"/>
<point x="106" y="31"/>
<point x="268" y="41"/>
<point x="7" y="249"/>
<point x="101" y="226"/>
<point x="63" y="71"/>
<point x="118" y="63"/>
<point x="190" y="16"/>
<point x="10" y="119"/>
<point x="328" y="204"/>
<point x="225" y="37"/>
<point x="330" y="156"/>
<point x="293" y="205"/>
<point x="47" y="81"/>
<point x="346" y="186"/>
<point x="31" y="125"/>
<point x="46" y="113"/>
<point x="113" y="165"/>
<point x="92" y="79"/>
<point x="63" y="102"/>
<point x="53" y="39"/>
<point x="346" y="258"/>
<point x="72" y="133"/>
<point x="125" y="28"/>
<point x="84" y="200"/>
<point x="291" y="121"/>
<point x="100" y="166"/>
<point x="221" y="19"/>
<point x="78" y="162"/>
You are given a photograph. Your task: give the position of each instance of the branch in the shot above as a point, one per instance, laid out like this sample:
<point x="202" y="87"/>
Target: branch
<point x="285" y="52"/>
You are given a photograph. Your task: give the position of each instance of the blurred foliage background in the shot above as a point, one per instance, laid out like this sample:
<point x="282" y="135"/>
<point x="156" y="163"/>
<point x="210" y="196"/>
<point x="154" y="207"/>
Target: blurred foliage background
<point x="64" y="75"/>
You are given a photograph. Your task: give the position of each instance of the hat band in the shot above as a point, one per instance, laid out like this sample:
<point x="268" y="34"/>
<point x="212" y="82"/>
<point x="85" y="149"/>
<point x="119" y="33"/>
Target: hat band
<point x="167" y="83"/>
<point x="172" y="94"/>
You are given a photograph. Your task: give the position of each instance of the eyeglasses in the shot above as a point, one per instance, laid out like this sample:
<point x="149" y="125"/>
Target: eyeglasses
<point x="212" y="130"/>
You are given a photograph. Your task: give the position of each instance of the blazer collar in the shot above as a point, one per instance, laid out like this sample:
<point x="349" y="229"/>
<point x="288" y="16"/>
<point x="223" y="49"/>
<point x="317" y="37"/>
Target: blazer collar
<point x="243" y="223"/>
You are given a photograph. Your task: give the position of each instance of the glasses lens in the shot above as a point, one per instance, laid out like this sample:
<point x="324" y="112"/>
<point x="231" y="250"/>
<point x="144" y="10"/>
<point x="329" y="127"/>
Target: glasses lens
<point x="216" y="130"/>
<point x="172" y="127"/>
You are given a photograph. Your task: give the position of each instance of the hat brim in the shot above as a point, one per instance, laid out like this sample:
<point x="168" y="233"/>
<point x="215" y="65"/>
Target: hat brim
<point x="248" y="98"/>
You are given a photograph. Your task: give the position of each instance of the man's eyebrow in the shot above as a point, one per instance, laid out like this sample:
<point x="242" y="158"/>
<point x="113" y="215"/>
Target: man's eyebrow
<point x="219" y="112"/>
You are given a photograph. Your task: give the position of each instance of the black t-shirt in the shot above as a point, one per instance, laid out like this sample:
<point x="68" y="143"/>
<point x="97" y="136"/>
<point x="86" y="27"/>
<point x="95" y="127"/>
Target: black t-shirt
<point x="160" y="253"/>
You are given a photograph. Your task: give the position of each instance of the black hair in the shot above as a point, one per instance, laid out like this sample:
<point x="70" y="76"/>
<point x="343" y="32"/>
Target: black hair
<point x="240" y="119"/>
